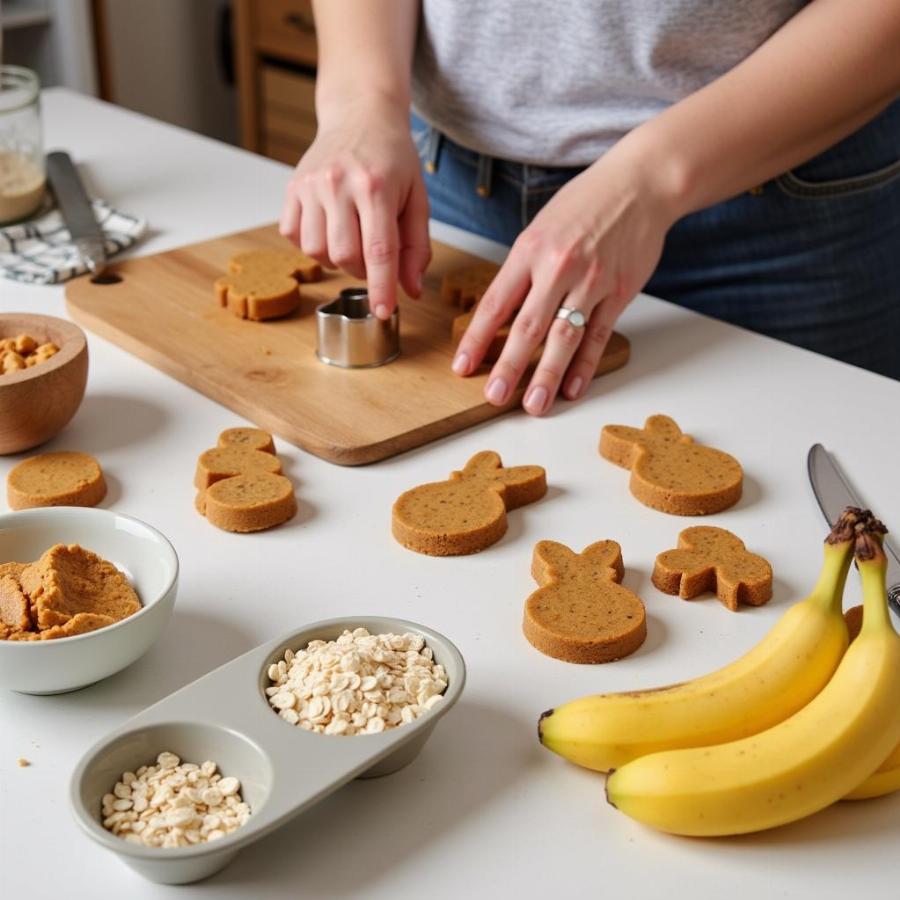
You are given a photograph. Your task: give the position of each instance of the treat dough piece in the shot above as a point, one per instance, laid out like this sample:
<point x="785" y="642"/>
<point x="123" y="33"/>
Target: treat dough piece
<point x="291" y="262"/>
<point x="669" y="471"/>
<point x="56" y="479"/>
<point x="225" y="462"/>
<point x="581" y="613"/>
<point x="713" y="559"/>
<point x="258" y="294"/>
<point x="263" y="284"/>
<point x="466" y="286"/>
<point x="251" y="502"/>
<point x="74" y="589"/>
<point x="248" y="438"/>
<point x="467" y="512"/>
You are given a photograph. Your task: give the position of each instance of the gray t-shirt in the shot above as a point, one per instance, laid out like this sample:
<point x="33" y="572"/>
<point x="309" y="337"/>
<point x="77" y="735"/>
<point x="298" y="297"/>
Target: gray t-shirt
<point x="558" y="83"/>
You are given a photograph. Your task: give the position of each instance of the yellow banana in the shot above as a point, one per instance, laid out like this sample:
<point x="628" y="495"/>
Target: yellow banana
<point x="779" y="676"/>
<point x="797" y="767"/>
<point x="884" y="780"/>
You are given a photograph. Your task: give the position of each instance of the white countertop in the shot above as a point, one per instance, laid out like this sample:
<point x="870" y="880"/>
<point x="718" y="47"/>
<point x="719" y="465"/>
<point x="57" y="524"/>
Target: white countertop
<point x="484" y="811"/>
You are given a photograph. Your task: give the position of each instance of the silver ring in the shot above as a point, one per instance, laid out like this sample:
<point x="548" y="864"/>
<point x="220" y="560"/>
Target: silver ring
<point x="575" y="317"/>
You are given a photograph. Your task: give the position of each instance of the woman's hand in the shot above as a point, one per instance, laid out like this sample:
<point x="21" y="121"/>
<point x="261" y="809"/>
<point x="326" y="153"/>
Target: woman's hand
<point x="591" y="248"/>
<point x="356" y="201"/>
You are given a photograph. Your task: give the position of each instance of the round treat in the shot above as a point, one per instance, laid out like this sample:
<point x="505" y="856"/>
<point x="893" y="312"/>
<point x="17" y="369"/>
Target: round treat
<point x="250" y="502"/>
<point x="224" y="462"/>
<point x="248" y="438"/>
<point x="56" y="479"/>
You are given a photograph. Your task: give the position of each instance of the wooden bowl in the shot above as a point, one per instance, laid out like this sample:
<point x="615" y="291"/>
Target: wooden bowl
<point x="36" y="403"/>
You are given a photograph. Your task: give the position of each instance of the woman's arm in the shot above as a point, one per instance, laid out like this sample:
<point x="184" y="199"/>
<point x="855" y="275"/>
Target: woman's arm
<point x="356" y="200"/>
<point x="820" y="77"/>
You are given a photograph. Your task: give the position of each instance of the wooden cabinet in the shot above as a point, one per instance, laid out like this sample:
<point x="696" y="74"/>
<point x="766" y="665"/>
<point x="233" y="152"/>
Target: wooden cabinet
<point x="275" y="48"/>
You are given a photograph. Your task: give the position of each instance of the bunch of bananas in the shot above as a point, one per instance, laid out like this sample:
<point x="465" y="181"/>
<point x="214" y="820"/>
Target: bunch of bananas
<point x="794" y="725"/>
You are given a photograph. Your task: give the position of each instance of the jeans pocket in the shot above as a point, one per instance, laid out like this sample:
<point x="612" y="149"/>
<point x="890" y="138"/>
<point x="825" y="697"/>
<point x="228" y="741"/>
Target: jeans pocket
<point x="796" y="186"/>
<point x="864" y="161"/>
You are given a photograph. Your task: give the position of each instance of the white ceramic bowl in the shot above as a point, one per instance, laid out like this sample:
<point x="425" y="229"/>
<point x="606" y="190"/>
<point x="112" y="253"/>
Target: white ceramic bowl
<point x="141" y="552"/>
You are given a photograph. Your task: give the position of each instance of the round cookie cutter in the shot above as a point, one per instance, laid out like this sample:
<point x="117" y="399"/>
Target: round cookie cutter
<point x="351" y="337"/>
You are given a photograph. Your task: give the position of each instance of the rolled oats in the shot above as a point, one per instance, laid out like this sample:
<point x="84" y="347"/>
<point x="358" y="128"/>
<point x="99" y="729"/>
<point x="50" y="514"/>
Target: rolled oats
<point x="360" y="683"/>
<point x="174" y="804"/>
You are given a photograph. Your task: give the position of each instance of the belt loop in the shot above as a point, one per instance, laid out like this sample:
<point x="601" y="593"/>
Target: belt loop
<point x="485" y="171"/>
<point x="432" y="151"/>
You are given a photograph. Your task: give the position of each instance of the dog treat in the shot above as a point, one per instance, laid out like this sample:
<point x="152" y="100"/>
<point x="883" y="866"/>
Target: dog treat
<point x="291" y="262"/>
<point x="381" y="681"/>
<point x="669" y="471"/>
<point x="23" y="352"/>
<point x="68" y="591"/>
<point x="258" y="295"/>
<point x="63" y="478"/>
<point x="581" y="613"/>
<point x="174" y="804"/>
<point x="263" y="284"/>
<point x="248" y="438"/>
<point x="713" y="559"/>
<point x="250" y="502"/>
<point x="466" y="286"/>
<point x="225" y="462"/>
<point x="467" y="512"/>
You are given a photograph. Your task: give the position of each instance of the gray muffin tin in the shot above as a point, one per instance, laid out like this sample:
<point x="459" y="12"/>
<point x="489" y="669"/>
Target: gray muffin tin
<point x="283" y="769"/>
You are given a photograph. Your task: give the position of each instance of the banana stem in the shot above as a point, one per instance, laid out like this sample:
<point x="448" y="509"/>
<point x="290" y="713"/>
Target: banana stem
<point x="839" y="546"/>
<point x="872" y="565"/>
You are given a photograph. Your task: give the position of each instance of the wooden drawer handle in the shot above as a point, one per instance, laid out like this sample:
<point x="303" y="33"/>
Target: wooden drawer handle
<point x="300" y="22"/>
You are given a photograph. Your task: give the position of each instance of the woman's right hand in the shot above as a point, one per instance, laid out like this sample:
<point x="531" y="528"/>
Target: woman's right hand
<point x="357" y="201"/>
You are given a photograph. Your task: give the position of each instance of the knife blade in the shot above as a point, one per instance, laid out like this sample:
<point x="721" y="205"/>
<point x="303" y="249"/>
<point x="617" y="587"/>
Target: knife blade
<point x="77" y="211"/>
<point x="833" y="495"/>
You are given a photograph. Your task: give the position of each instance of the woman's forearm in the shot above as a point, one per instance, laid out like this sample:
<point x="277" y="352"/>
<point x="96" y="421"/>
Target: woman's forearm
<point x="365" y="53"/>
<point x="823" y="75"/>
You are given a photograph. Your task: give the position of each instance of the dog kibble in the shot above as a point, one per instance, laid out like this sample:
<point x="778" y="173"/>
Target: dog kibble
<point x="174" y="804"/>
<point x="360" y="683"/>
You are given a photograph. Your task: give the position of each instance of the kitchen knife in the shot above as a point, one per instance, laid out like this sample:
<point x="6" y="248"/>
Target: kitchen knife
<point x="77" y="211"/>
<point x="834" y="495"/>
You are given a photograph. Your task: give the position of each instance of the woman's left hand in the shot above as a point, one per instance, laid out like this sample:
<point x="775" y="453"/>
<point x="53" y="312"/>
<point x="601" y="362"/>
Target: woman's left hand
<point x="591" y="248"/>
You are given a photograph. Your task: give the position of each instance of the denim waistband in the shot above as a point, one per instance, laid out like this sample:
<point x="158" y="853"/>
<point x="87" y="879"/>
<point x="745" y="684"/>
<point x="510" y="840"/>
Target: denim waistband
<point x="432" y="144"/>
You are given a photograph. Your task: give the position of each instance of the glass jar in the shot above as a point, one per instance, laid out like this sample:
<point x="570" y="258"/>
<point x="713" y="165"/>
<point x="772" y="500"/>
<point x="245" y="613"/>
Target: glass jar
<point x="22" y="175"/>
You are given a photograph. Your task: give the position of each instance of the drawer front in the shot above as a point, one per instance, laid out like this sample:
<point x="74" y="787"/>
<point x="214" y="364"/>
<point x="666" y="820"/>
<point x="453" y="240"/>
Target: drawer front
<point x="285" y="28"/>
<point x="288" y="123"/>
<point x="288" y="91"/>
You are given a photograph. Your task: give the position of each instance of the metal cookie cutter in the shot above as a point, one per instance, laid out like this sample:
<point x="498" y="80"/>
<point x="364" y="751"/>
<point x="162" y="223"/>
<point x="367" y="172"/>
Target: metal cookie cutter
<point x="351" y="337"/>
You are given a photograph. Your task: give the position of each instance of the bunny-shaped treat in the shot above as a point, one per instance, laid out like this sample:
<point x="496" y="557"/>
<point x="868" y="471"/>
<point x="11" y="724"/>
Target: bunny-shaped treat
<point x="467" y="512"/>
<point x="713" y="559"/>
<point x="581" y="613"/>
<point x="670" y="472"/>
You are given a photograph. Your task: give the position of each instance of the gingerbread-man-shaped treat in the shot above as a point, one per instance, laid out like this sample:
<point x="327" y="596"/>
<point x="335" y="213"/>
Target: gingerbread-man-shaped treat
<point x="669" y="471"/>
<point x="713" y="559"/>
<point x="581" y="613"/>
<point x="467" y="512"/>
<point x="263" y="284"/>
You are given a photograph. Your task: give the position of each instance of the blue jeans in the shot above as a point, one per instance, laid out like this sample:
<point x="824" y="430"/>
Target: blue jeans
<point x="811" y="257"/>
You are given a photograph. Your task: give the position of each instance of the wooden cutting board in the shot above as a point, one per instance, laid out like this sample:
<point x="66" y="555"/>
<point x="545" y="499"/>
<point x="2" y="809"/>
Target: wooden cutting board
<point x="164" y="312"/>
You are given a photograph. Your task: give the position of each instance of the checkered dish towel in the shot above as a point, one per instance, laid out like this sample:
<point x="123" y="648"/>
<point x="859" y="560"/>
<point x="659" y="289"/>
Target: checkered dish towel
<point x="41" y="251"/>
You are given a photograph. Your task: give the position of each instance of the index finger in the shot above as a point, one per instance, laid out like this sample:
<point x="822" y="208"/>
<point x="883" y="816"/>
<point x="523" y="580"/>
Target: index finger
<point x="381" y="253"/>
<point x="494" y="310"/>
